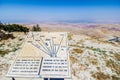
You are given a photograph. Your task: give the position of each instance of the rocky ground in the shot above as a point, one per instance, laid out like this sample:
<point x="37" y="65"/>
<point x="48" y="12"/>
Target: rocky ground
<point x="94" y="60"/>
<point x="92" y="55"/>
<point x="8" y="51"/>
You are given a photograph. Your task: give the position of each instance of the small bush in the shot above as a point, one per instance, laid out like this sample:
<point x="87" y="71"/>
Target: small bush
<point x="36" y="28"/>
<point x="78" y="50"/>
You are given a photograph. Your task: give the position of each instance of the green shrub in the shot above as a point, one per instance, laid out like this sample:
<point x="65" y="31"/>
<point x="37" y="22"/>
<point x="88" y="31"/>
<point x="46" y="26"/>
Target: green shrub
<point x="13" y="28"/>
<point x="36" y="28"/>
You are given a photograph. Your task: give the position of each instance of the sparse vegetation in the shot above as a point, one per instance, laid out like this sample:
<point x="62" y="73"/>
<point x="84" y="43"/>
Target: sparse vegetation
<point x="1" y="45"/>
<point x="70" y="36"/>
<point x="3" y="52"/>
<point x="100" y="76"/>
<point x="74" y="45"/>
<point x="36" y="28"/>
<point x="78" y="50"/>
<point x="20" y="39"/>
<point x="15" y="49"/>
<point x="73" y="60"/>
<point x="115" y="67"/>
<point x="96" y="49"/>
<point x="6" y="51"/>
<point x="115" y="77"/>
<point x="93" y="61"/>
<point x="4" y="36"/>
<point x="117" y="56"/>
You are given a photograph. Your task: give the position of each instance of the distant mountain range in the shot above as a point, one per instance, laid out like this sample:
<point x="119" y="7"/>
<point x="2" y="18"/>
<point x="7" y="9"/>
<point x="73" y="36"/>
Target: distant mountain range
<point x="90" y="21"/>
<point x="82" y="21"/>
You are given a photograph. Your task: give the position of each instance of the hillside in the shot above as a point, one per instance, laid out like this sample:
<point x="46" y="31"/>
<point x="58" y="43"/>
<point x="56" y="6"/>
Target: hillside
<point x="94" y="51"/>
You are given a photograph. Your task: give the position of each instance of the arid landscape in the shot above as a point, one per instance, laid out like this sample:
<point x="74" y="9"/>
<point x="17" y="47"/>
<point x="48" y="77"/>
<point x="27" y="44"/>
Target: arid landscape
<point x="94" y="50"/>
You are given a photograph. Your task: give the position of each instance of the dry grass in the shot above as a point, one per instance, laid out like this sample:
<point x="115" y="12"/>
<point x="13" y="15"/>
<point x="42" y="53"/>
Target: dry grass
<point x="100" y="76"/>
<point x="70" y="36"/>
<point x="3" y="52"/>
<point x="115" y="78"/>
<point x="73" y="60"/>
<point x="74" y="45"/>
<point x="93" y="61"/>
<point x="114" y="66"/>
<point x="0" y="69"/>
<point x="78" y="50"/>
<point x="117" y="56"/>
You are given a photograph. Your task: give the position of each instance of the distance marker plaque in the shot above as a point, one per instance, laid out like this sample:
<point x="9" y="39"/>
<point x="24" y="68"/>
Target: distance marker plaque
<point x="44" y="54"/>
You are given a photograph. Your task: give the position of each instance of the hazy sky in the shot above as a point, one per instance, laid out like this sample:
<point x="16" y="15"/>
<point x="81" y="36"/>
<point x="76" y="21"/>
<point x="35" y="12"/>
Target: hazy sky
<point x="27" y="11"/>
